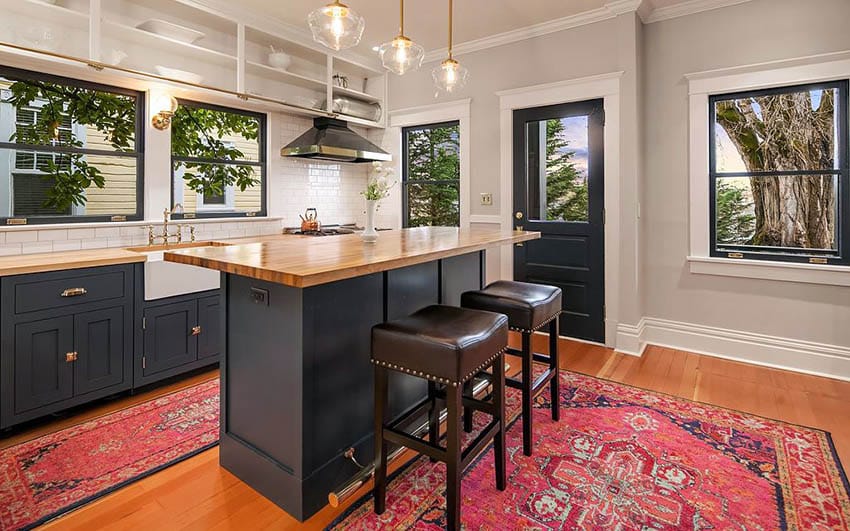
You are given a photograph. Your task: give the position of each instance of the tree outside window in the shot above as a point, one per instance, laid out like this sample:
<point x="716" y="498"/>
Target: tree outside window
<point x="431" y="175"/>
<point x="779" y="173"/>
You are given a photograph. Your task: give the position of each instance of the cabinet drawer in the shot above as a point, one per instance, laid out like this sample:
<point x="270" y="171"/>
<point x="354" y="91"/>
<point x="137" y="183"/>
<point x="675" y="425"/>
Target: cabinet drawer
<point x="49" y="290"/>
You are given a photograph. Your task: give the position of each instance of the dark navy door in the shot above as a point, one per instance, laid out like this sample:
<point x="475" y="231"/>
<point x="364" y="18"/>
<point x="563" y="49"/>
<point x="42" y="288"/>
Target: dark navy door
<point x="558" y="191"/>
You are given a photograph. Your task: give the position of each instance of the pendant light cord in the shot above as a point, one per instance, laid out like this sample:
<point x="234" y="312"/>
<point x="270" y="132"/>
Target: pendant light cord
<point x="451" y="6"/>
<point x="401" y="22"/>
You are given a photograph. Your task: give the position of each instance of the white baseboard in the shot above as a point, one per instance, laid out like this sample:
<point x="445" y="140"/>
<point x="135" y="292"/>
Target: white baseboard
<point x="808" y="357"/>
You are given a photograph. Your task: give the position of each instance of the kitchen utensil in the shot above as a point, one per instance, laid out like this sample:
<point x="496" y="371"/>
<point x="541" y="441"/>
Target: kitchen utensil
<point x="279" y="59"/>
<point x="341" y="80"/>
<point x="311" y="214"/>
<point x="170" y="30"/>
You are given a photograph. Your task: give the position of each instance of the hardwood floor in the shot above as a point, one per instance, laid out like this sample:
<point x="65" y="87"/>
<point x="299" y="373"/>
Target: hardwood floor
<point x="198" y="494"/>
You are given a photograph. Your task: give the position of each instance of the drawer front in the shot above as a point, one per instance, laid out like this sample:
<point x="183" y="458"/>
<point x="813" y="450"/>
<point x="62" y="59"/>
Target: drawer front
<point x="42" y="292"/>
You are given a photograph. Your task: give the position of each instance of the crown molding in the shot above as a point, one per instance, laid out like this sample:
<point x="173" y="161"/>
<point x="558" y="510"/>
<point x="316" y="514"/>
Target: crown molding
<point x="274" y="26"/>
<point x="610" y="10"/>
<point x="653" y="14"/>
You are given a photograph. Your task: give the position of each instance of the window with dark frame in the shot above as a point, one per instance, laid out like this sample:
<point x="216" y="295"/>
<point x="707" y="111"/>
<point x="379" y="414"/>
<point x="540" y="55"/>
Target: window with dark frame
<point x="70" y="151"/>
<point x="218" y="159"/>
<point x="431" y="175"/>
<point x="779" y="177"/>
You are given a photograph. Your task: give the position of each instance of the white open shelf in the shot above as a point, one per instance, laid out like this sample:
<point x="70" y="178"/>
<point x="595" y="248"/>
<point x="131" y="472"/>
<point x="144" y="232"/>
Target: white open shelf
<point x="232" y="56"/>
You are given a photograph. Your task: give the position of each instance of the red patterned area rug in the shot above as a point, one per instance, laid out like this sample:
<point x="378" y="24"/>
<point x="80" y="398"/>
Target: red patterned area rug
<point x="53" y="474"/>
<point x="623" y="458"/>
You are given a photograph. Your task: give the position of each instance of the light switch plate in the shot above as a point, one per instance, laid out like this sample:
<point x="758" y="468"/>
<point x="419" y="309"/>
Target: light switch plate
<point x="487" y="199"/>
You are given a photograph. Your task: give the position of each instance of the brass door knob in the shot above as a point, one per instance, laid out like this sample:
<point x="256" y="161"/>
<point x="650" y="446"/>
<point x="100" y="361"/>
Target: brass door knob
<point x="518" y="215"/>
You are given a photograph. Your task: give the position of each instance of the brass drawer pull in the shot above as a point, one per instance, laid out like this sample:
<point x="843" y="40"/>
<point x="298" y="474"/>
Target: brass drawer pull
<point x="70" y="356"/>
<point x="74" y="292"/>
<point x="196" y="330"/>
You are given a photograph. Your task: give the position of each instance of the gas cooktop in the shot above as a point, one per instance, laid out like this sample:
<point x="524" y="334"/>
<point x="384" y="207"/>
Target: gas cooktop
<point x="328" y="230"/>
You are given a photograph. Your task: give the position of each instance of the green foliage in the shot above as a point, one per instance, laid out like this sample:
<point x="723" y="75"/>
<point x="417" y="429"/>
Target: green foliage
<point x="566" y="188"/>
<point x="433" y="175"/>
<point x="195" y="132"/>
<point x="735" y="223"/>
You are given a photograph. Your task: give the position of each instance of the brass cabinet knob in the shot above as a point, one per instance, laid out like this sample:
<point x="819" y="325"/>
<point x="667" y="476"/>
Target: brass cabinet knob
<point x="196" y="330"/>
<point x="70" y="356"/>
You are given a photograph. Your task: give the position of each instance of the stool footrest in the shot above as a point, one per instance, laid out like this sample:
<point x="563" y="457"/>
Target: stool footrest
<point x="415" y="443"/>
<point x="537" y="356"/>
<point x="480" y="442"/>
<point x="539" y="383"/>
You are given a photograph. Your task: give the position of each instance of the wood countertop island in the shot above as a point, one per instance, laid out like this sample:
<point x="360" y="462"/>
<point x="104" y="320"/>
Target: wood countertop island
<point x="305" y="262"/>
<point x="297" y="315"/>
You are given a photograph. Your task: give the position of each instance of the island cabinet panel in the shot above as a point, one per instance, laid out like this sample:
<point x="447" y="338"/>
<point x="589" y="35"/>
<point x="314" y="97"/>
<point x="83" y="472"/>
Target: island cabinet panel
<point x="65" y="339"/>
<point x="409" y="289"/>
<point x="297" y="383"/>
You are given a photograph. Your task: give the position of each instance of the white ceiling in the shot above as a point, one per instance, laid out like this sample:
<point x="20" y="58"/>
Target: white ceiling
<point x="426" y="20"/>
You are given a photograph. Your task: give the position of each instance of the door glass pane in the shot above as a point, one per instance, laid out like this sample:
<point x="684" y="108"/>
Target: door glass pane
<point x="775" y="213"/>
<point x="557" y="169"/>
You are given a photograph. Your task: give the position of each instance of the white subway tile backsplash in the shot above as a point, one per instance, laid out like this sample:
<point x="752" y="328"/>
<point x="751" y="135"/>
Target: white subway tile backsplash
<point x="67" y="245"/>
<point x="10" y="249"/>
<point x="81" y="234"/>
<point x="96" y="243"/>
<point x="107" y="232"/>
<point x="54" y="234"/>
<point x="21" y="236"/>
<point x="37" y="247"/>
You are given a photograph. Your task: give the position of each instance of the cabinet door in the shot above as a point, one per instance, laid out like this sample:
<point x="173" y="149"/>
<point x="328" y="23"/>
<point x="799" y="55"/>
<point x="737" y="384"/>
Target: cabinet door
<point x="168" y="340"/>
<point x="44" y="366"/>
<point x="209" y="316"/>
<point x="99" y="343"/>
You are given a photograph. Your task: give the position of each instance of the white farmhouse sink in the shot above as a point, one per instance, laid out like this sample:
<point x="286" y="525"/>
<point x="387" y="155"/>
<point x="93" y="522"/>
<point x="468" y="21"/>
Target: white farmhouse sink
<point x="167" y="279"/>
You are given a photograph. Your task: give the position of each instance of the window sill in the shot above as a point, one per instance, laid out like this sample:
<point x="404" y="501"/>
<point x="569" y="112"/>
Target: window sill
<point x="158" y="221"/>
<point x="765" y="270"/>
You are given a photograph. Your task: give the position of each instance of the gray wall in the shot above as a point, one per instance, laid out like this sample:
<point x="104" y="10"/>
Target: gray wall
<point x="754" y="32"/>
<point x="579" y="52"/>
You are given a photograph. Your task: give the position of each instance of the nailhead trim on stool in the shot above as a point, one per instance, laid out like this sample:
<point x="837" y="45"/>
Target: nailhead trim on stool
<point x="541" y="325"/>
<point x="437" y="379"/>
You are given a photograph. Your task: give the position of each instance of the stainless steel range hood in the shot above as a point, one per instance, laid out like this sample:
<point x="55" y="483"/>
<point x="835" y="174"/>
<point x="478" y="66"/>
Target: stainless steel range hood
<point x="331" y="139"/>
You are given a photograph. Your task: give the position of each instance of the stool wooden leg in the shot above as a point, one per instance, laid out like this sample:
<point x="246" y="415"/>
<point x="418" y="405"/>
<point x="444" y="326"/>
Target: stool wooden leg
<point x="453" y="455"/>
<point x="433" y="417"/>
<point x="467" y="411"/>
<point x="499" y="402"/>
<point x="381" y="413"/>
<point x="556" y="370"/>
<point x="527" y="399"/>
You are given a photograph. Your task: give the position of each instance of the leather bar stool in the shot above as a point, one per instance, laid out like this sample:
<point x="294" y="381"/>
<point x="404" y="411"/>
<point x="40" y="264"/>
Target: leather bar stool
<point x="529" y="308"/>
<point x="447" y="346"/>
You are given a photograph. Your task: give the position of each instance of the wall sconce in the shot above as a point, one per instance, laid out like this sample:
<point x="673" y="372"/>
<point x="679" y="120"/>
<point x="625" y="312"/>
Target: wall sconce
<point x="165" y="106"/>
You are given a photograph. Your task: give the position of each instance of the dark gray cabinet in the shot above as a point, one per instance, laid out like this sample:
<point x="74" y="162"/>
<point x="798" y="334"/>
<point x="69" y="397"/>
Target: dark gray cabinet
<point x="209" y="320"/>
<point x="177" y="334"/>
<point x="99" y="349"/>
<point x="42" y="372"/>
<point x="168" y="336"/>
<point x="65" y="339"/>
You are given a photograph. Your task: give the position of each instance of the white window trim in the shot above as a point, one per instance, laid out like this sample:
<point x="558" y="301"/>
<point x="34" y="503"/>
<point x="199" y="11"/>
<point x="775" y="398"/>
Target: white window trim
<point x="459" y="111"/>
<point x="813" y="69"/>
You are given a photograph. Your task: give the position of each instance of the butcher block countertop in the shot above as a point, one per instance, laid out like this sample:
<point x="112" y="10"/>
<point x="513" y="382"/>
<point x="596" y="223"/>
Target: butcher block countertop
<point x="39" y="263"/>
<point x="305" y="262"/>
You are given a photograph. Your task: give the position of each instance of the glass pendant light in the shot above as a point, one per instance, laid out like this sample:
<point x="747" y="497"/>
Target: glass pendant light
<point x="337" y="26"/>
<point x="450" y="76"/>
<point x="401" y="54"/>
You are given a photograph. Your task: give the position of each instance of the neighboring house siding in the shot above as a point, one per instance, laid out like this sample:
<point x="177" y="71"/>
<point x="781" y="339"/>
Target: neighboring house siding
<point x="118" y="196"/>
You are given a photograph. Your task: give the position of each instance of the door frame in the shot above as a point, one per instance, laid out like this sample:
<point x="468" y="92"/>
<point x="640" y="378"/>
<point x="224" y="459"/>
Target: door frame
<point x="607" y="88"/>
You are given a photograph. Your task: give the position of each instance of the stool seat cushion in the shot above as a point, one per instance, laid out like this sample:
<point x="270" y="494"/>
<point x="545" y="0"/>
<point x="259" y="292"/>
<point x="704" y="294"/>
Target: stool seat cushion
<point x="445" y="344"/>
<point x="528" y="306"/>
